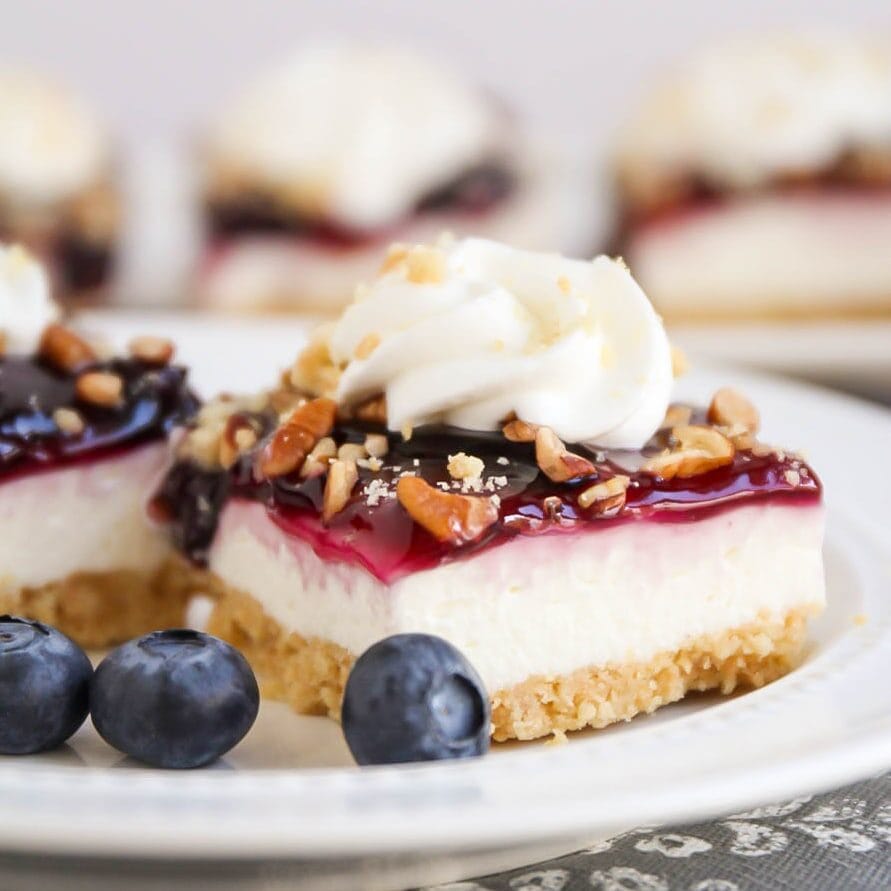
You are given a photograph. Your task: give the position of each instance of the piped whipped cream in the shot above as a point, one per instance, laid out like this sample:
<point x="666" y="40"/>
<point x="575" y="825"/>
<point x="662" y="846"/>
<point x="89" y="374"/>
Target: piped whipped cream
<point x="467" y="332"/>
<point x="742" y="112"/>
<point x="50" y="144"/>
<point x="356" y="134"/>
<point x="26" y="306"/>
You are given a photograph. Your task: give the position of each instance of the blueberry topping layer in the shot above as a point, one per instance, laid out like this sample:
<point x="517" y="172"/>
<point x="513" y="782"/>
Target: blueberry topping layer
<point x="374" y="530"/>
<point x="38" y="402"/>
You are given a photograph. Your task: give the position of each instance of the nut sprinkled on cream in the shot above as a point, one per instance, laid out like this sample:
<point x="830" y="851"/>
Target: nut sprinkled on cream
<point x="553" y="319"/>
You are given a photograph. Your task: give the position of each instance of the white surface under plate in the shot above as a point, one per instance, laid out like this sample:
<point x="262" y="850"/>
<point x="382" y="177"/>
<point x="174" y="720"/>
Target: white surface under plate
<point x="289" y="794"/>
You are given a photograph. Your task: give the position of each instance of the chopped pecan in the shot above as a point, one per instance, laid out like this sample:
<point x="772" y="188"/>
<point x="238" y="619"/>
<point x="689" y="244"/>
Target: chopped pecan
<point x="731" y="409"/>
<point x="342" y="477"/>
<point x="607" y="497"/>
<point x="152" y="350"/>
<point x="425" y="265"/>
<point x="556" y="461"/>
<point x="465" y="467"/>
<point x="239" y="436"/>
<point x="296" y="436"/>
<point x="318" y="460"/>
<point x="62" y="348"/>
<point x="377" y="445"/>
<point x="516" y="430"/>
<point x="99" y="388"/>
<point x="315" y="372"/>
<point x="68" y="421"/>
<point x="447" y="516"/>
<point x="699" y="449"/>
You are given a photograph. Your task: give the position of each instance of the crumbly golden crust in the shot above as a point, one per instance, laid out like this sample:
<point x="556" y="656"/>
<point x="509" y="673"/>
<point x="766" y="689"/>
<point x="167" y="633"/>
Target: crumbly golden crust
<point x="310" y="675"/>
<point x="99" y="609"/>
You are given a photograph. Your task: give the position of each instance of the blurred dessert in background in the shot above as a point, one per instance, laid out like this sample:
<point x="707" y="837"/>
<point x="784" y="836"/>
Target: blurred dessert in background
<point x="755" y="181"/>
<point x="56" y="190"/>
<point x="341" y="149"/>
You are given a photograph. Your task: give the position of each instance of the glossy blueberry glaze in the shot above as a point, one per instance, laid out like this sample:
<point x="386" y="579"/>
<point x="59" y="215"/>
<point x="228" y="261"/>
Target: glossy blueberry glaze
<point x="155" y="400"/>
<point x="382" y="537"/>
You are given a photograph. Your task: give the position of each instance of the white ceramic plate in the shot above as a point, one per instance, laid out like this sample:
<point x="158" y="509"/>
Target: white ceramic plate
<point x="288" y="792"/>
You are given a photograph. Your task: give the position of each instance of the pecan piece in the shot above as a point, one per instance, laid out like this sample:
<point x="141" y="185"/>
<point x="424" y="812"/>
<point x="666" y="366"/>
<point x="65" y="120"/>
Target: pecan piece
<point x="519" y="431"/>
<point x="63" y="349"/>
<point x="342" y="477"/>
<point x="377" y="445"/>
<point x="99" y="388"/>
<point x="296" y="436"/>
<point x="730" y="408"/>
<point x="152" y="350"/>
<point x="607" y="497"/>
<point x="700" y="449"/>
<point x="68" y="421"/>
<point x="556" y="461"/>
<point x="239" y="436"/>
<point x="447" y="516"/>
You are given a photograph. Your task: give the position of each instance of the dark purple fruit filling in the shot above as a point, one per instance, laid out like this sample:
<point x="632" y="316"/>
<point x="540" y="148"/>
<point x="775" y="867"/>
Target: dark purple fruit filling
<point x="376" y="532"/>
<point x="475" y="191"/>
<point x="154" y="401"/>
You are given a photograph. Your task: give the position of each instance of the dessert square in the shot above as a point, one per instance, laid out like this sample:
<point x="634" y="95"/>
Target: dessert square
<point x="337" y="151"/>
<point x="83" y="441"/>
<point x="752" y="182"/>
<point x="483" y="448"/>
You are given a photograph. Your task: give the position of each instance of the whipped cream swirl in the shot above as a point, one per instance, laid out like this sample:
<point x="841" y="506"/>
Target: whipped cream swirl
<point x="26" y="307"/>
<point x="468" y="332"/>
<point x="50" y="144"/>
<point x="747" y="110"/>
<point x="355" y="134"/>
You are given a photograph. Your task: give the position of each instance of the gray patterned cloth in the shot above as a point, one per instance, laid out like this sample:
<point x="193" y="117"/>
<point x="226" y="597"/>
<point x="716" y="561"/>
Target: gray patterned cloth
<point x="837" y="841"/>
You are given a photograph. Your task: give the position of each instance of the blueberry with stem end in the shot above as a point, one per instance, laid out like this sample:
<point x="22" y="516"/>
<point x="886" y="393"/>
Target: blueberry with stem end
<point x="176" y="699"/>
<point x="414" y="697"/>
<point x="44" y="686"/>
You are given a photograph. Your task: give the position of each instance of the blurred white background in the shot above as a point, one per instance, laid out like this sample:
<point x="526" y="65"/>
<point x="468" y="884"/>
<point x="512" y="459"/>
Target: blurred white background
<point x="155" y="67"/>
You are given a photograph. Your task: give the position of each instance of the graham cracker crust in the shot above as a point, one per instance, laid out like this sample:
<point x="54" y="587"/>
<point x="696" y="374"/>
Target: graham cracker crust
<point x="100" y="609"/>
<point x="310" y="675"/>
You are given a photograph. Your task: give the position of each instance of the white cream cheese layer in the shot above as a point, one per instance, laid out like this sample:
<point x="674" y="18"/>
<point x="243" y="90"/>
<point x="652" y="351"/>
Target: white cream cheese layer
<point x="354" y="133"/>
<point x="26" y="307"/>
<point x="544" y="605"/>
<point x="50" y="144"/>
<point x="88" y="517"/>
<point x="471" y="331"/>
<point x="742" y="112"/>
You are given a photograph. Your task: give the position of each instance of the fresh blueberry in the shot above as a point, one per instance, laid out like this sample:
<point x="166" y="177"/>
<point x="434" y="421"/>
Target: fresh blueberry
<point x="174" y="698"/>
<point x="414" y="697"/>
<point x="44" y="686"/>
